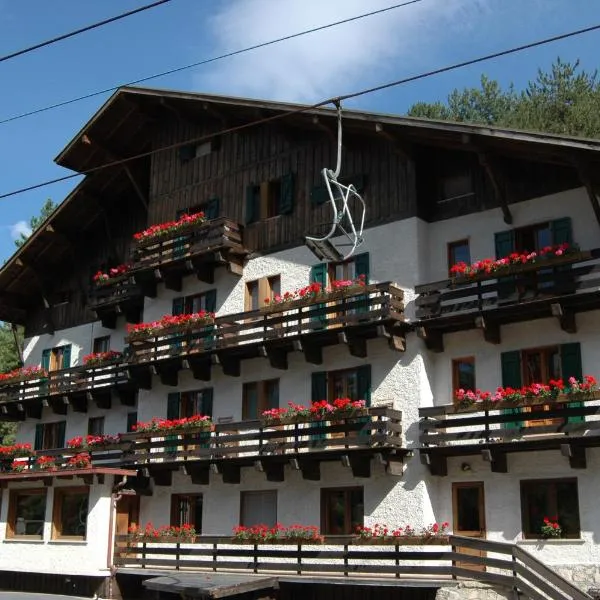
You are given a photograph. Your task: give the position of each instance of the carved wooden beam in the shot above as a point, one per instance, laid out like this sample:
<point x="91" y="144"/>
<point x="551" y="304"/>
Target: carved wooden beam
<point x="199" y="474"/>
<point x="434" y="339"/>
<point x="437" y="463"/>
<point x="491" y="330"/>
<point x="498" y="181"/>
<point x="498" y="461"/>
<point x="565" y="316"/>
<point x="576" y="455"/>
<point x="357" y="346"/>
<point x="592" y="187"/>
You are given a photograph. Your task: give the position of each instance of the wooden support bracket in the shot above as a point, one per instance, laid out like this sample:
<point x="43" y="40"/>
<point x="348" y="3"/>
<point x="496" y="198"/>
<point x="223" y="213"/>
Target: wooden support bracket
<point x="108" y="319"/>
<point x="491" y="330"/>
<point x="127" y="397"/>
<point x="396" y="337"/>
<point x="274" y="471"/>
<point x="162" y="477"/>
<point x="499" y="183"/>
<point x="173" y="280"/>
<point x="102" y="399"/>
<point x="565" y="316"/>
<point x="169" y="374"/>
<point x="498" y="460"/>
<point x="437" y="463"/>
<point x="310" y="469"/>
<point x="205" y="272"/>
<point x="313" y="353"/>
<point x="357" y="346"/>
<point x="33" y="410"/>
<point x="231" y="473"/>
<point x="79" y="403"/>
<point x="231" y="365"/>
<point x="200" y="474"/>
<point x="434" y="340"/>
<point x="57" y="405"/>
<point x="141" y="375"/>
<point x="576" y="455"/>
<point x="360" y="465"/>
<point x="277" y="356"/>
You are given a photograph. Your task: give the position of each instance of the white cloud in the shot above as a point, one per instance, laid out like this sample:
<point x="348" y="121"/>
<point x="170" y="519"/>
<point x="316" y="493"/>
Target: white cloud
<point x="329" y="62"/>
<point x="20" y="228"/>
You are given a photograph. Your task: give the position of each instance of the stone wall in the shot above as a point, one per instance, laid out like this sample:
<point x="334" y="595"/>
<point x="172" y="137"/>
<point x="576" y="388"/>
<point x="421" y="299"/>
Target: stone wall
<point x="473" y="590"/>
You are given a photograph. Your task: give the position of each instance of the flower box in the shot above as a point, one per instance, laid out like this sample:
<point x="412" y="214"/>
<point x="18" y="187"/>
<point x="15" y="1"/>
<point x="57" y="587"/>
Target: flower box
<point x="23" y="374"/>
<point x="323" y="297"/>
<point x="312" y="418"/>
<point x="163" y="539"/>
<point x="166" y="231"/>
<point x="281" y="542"/>
<point x="402" y="540"/>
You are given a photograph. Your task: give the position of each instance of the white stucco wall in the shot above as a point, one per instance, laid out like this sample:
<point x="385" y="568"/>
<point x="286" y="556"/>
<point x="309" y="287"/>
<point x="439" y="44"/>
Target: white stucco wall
<point x="87" y="557"/>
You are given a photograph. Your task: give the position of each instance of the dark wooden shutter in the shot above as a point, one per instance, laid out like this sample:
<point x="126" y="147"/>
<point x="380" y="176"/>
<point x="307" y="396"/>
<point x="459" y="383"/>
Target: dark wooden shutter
<point x="319" y="386"/>
<point x="187" y="152"/>
<point x="39" y="437"/>
<point x="562" y="232"/>
<point x="46" y="358"/>
<point x="570" y="360"/>
<point x="207" y="401"/>
<point x="273" y="397"/>
<point x="131" y="420"/>
<point x="363" y="377"/>
<point x="66" y="357"/>
<point x="286" y="197"/>
<point x="173" y="412"/>
<point x="210" y="301"/>
<point x="60" y="437"/>
<point x="178" y="306"/>
<point x="361" y="267"/>
<point x="212" y="209"/>
<point x="511" y="377"/>
<point x="318" y="274"/>
<point x="252" y="207"/>
<point x="505" y="245"/>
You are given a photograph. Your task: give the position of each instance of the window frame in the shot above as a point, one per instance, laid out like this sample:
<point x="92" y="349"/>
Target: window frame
<point x="103" y="341"/>
<point x="266" y="287"/>
<point x="175" y="520"/>
<point x="518" y="234"/>
<point x="331" y="375"/>
<point x="331" y="268"/>
<point x="12" y="512"/>
<point x="325" y="524"/>
<point x="46" y="426"/>
<point x="456" y="374"/>
<point x="262" y="396"/>
<point x="249" y="493"/>
<point x="92" y="420"/>
<point x="59" y="494"/>
<point x="451" y="246"/>
<point x="525" y="524"/>
<point x="545" y="351"/>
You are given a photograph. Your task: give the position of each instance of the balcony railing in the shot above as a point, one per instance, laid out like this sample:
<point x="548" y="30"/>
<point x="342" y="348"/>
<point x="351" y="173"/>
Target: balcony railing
<point x="192" y="243"/>
<point x="317" y="322"/>
<point x="372" y="430"/>
<point x="341" y="556"/>
<point x="121" y="296"/>
<point x="553" y="287"/>
<point x="566" y="424"/>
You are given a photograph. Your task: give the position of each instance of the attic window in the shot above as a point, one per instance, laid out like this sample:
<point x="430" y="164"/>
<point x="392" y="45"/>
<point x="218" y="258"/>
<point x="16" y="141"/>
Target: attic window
<point x="191" y="151"/>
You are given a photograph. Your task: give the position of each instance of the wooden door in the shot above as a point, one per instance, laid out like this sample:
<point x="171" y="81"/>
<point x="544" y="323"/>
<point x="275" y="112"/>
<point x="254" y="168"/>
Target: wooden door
<point x="128" y="514"/>
<point x="468" y="509"/>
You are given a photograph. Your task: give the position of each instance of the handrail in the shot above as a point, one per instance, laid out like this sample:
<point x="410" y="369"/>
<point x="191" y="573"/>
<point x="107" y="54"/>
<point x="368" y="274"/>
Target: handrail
<point x="349" y="556"/>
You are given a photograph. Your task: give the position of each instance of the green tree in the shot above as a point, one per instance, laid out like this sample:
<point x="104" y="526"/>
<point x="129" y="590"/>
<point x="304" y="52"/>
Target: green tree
<point x="564" y="100"/>
<point x="9" y="359"/>
<point x="46" y="210"/>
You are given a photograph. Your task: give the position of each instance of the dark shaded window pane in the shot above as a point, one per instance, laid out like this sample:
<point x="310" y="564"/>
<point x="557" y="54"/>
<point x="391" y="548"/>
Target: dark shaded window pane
<point x="29" y="514"/>
<point x="465" y="374"/>
<point x="74" y="512"/>
<point x="468" y="507"/>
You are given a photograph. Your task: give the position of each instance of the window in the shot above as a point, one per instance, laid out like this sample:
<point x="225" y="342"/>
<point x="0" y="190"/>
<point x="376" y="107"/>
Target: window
<point x="348" y="383"/>
<point x="463" y="373"/>
<point x="342" y="510"/>
<point x="70" y="513"/>
<point x="258" y="508"/>
<point x="101" y="344"/>
<point x="96" y="426"/>
<point x="259" y="396"/>
<point x="533" y="238"/>
<point x="196" y="403"/>
<point x="50" y="435"/>
<point x="26" y="513"/>
<point x="552" y="498"/>
<point x="541" y="365"/>
<point x="260" y="289"/>
<point x="270" y="199"/>
<point x="191" y="151"/>
<point x="186" y="509"/>
<point x="458" y="252"/>
<point x="210" y="208"/>
<point x="54" y="359"/>
<point x="206" y="301"/>
<point x="342" y="271"/>
<point x="131" y="421"/>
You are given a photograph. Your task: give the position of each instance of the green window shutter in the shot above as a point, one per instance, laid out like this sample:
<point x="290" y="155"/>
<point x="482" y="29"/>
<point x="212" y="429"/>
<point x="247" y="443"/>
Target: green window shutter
<point x="210" y="300"/>
<point x="511" y="377"/>
<point x="318" y="274"/>
<point x="505" y="245"/>
<point x="252" y="207"/>
<point x="131" y="421"/>
<point x="570" y="362"/>
<point x="173" y="403"/>
<point x="363" y="377"/>
<point x="273" y="399"/>
<point x="319" y="195"/>
<point x="207" y="402"/>
<point x="39" y="437"/>
<point x="46" y="358"/>
<point x="62" y="427"/>
<point x="562" y="232"/>
<point x="66" y="357"/>
<point x="319" y="386"/>
<point x="361" y="267"/>
<point x="212" y="208"/>
<point x="178" y="307"/>
<point x="286" y="197"/>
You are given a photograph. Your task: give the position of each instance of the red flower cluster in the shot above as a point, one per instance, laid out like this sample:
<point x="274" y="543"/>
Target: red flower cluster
<point x="101" y="278"/>
<point x="159" y="425"/>
<point x="168" y="321"/>
<point x="16" y="450"/>
<point x="264" y="533"/>
<point x="97" y="358"/>
<point x="82" y="460"/>
<point x="19" y="465"/>
<point x="489" y="265"/>
<point x="319" y="410"/>
<point x="46" y="463"/>
<point x="551" y="527"/>
<point x="385" y="532"/>
<point x="316" y="289"/>
<point x="170" y="227"/>
<point x="23" y="374"/>
<point x="540" y="391"/>
<point x="149" y="531"/>
<point x="93" y="441"/>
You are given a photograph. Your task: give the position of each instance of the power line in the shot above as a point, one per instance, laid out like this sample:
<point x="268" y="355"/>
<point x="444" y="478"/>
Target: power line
<point x="71" y="34"/>
<point x="204" y="62"/>
<point x="302" y="109"/>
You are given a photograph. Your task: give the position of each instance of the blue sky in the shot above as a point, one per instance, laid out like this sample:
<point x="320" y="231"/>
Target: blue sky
<point x="397" y="44"/>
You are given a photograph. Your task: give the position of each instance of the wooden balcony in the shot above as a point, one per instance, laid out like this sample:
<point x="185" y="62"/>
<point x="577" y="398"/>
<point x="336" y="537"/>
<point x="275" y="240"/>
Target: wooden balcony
<point x="124" y="296"/>
<point x="567" y="425"/>
<point x="75" y="387"/>
<point x="197" y="249"/>
<point x="306" y="326"/>
<point x="352" y="440"/>
<point x="343" y="559"/>
<point x="552" y="288"/>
